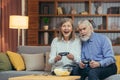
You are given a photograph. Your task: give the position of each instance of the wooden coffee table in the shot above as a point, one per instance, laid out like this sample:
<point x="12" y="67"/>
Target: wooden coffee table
<point x="45" y="77"/>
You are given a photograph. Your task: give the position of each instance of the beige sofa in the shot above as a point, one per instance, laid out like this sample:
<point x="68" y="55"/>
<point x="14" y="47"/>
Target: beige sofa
<point x="32" y="52"/>
<point x="44" y="67"/>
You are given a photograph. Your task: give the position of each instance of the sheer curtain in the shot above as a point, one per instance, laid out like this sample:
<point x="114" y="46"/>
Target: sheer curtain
<point x="8" y="37"/>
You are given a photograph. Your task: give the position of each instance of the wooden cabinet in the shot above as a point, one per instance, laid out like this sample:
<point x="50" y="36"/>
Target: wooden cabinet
<point x="105" y="14"/>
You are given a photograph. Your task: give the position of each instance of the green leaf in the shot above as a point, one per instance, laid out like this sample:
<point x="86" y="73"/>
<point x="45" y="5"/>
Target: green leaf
<point x="46" y="20"/>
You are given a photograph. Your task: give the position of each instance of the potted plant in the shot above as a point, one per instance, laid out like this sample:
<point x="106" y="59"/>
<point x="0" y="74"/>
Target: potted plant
<point x="46" y="22"/>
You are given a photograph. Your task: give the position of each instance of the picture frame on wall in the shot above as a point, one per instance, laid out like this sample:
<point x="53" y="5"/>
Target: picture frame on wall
<point x="45" y="9"/>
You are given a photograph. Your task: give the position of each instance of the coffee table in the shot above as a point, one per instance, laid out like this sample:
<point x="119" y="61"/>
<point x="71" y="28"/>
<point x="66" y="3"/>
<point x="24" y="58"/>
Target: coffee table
<point x="45" y="77"/>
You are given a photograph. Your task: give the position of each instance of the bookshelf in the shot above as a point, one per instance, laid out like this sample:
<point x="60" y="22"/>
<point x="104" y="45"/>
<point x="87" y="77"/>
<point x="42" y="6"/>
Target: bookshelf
<point x="105" y="14"/>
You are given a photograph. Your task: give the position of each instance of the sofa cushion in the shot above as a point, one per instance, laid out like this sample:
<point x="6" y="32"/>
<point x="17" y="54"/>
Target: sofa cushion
<point x="47" y="65"/>
<point x="117" y="57"/>
<point x="4" y="75"/>
<point x="4" y="62"/>
<point x="17" y="60"/>
<point x="34" y="61"/>
<point x="113" y="77"/>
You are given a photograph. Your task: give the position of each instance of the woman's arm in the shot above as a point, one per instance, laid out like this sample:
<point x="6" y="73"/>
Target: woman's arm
<point x="76" y="50"/>
<point x="53" y="51"/>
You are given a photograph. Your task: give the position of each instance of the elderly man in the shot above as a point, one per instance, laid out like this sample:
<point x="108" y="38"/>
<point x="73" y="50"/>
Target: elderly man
<point x="98" y="60"/>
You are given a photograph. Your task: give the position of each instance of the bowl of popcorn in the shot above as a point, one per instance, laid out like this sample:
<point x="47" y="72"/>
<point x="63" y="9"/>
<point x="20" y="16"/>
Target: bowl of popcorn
<point x="62" y="71"/>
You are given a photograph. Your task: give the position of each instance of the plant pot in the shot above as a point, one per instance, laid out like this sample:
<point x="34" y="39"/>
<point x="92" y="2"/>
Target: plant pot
<point x="45" y="27"/>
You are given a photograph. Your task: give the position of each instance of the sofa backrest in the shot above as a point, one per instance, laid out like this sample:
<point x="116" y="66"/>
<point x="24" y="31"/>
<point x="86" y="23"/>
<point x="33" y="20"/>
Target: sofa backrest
<point x="33" y="57"/>
<point x="43" y="49"/>
<point x="33" y="49"/>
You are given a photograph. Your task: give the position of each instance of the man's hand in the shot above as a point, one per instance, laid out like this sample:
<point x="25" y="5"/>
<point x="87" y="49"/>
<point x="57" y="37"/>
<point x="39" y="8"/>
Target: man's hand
<point x="57" y="58"/>
<point x="94" y="64"/>
<point x="82" y="65"/>
<point x="70" y="56"/>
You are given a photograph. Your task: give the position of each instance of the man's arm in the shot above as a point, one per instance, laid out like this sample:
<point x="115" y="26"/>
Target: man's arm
<point x="107" y="53"/>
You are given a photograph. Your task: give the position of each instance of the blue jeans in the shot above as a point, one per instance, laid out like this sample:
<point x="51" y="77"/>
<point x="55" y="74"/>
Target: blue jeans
<point x="98" y="73"/>
<point x="76" y="70"/>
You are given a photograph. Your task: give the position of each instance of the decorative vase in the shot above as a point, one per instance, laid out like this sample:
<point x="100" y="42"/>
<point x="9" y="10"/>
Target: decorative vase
<point x="99" y="10"/>
<point x="45" y="38"/>
<point x="73" y="11"/>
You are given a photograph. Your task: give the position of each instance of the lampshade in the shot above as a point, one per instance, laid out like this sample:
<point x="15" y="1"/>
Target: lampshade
<point x="18" y="22"/>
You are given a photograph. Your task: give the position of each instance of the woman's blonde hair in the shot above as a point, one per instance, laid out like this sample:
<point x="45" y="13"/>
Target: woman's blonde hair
<point x="64" y="20"/>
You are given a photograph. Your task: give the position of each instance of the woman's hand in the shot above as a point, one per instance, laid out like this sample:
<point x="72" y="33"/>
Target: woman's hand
<point x="82" y="65"/>
<point x="70" y="56"/>
<point x="57" y="58"/>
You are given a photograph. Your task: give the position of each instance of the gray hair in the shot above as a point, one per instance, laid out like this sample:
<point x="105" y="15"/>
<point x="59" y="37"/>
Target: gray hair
<point x="86" y="23"/>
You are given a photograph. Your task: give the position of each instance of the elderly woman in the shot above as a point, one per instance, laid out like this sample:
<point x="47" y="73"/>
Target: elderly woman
<point x="66" y="47"/>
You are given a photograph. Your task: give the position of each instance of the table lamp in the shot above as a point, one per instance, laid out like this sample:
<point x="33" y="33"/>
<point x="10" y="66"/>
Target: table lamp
<point x="18" y="22"/>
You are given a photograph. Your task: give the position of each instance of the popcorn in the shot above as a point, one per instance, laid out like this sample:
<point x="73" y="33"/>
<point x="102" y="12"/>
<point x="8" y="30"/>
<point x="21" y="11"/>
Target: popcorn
<point x="61" y="72"/>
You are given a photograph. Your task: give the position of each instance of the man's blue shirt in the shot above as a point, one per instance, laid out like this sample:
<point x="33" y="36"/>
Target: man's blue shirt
<point x="98" y="48"/>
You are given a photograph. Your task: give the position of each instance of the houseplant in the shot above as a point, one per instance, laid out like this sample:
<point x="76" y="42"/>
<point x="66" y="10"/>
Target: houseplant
<point x="45" y="27"/>
<point x="46" y="22"/>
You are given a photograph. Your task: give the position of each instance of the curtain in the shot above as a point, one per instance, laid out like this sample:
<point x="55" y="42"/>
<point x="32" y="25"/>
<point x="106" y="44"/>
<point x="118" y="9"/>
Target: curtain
<point x="8" y="37"/>
<point x="0" y="24"/>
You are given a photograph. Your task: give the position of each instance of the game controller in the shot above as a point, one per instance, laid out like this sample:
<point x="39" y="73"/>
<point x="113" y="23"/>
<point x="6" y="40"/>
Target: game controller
<point x="63" y="53"/>
<point x="86" y="61"/>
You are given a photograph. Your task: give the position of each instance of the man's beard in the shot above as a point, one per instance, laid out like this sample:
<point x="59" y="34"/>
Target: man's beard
<point x="85" y="38"/>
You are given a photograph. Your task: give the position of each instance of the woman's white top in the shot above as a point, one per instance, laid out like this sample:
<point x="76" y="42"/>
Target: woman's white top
<point x="71" y="46"/>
